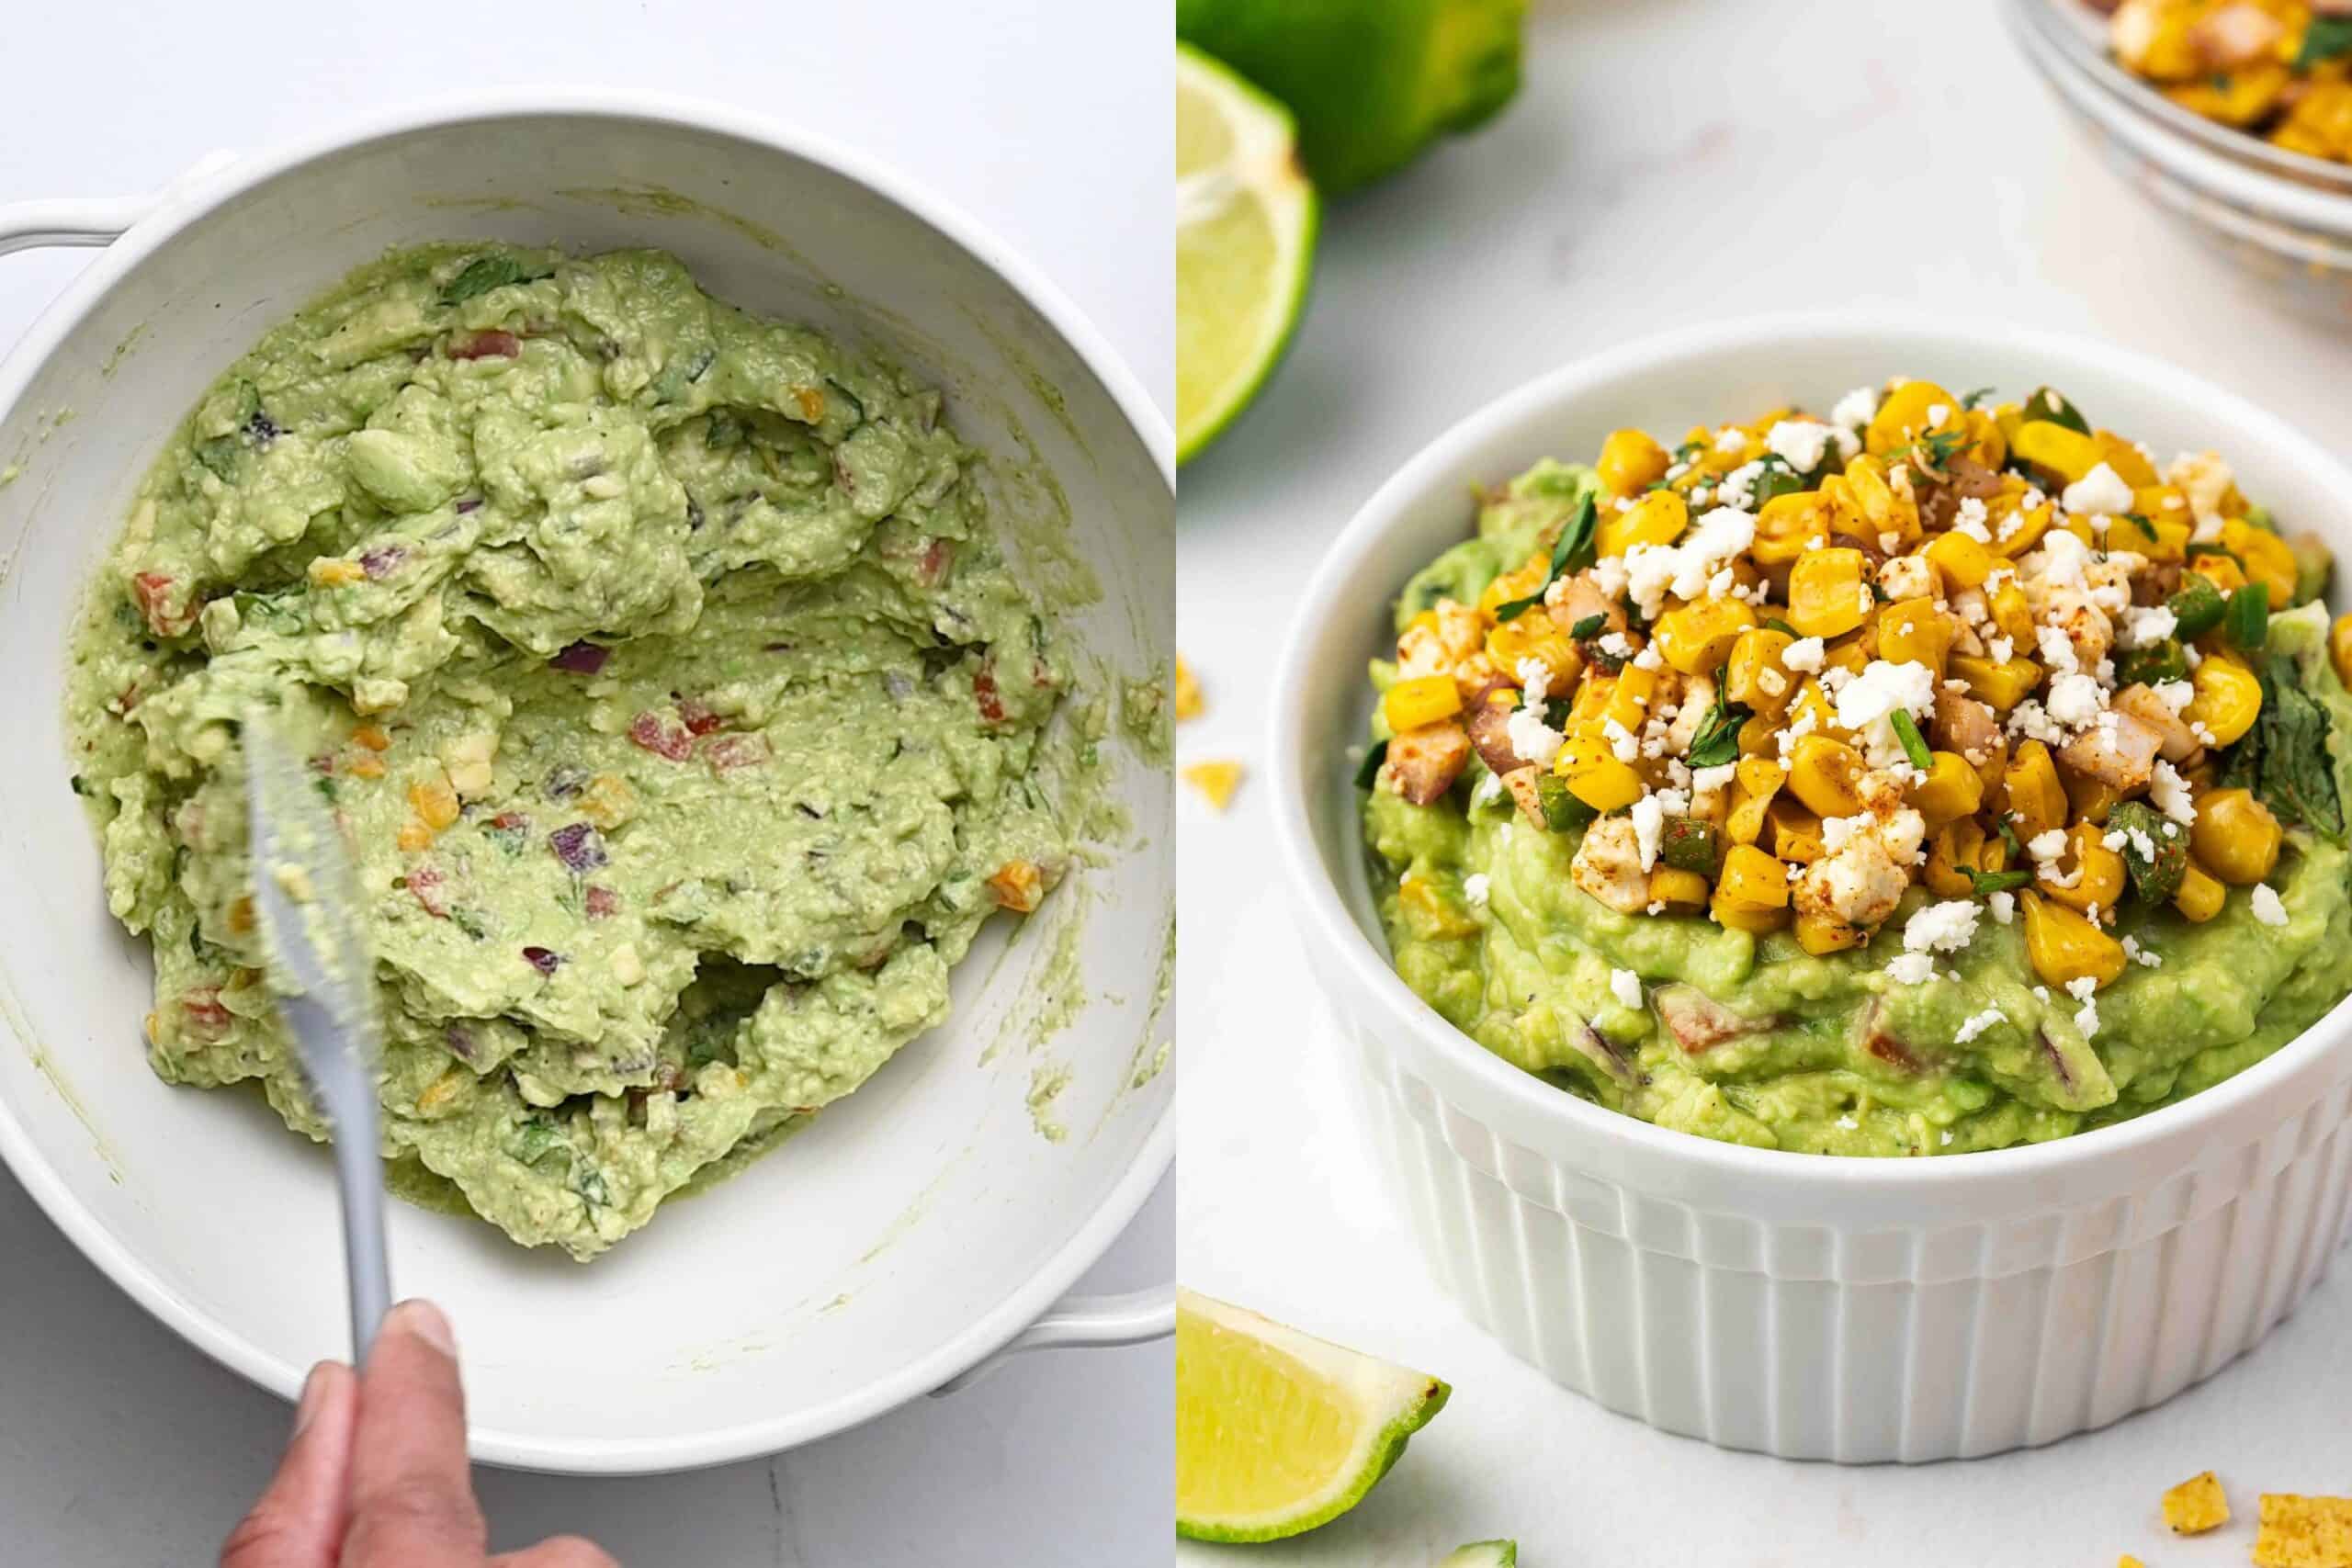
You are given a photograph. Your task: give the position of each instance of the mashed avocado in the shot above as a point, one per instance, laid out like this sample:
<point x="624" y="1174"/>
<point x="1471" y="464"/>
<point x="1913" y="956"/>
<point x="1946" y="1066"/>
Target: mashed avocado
<point x="1683" y="1021"/>
<point x="661" y="663"/>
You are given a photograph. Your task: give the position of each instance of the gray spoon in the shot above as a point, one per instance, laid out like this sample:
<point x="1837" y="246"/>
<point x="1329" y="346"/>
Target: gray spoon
<point x="306" y="899"/>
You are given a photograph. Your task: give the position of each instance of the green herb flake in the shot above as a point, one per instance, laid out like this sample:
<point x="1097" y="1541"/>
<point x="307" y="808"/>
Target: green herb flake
<point x="1915" y="745"/>
<point x="1572" y="549"/>
<point x="1969" y="400"/>
<point x="1587" y="628"/>
<point x="1985" y="881"/>
<point x="1717" y="741"/>
<point x="2327" y="38"/>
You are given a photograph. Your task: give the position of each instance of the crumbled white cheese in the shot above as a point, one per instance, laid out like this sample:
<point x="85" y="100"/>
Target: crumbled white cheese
<point x="1974" y="1025"/>
<point x="1627" y="986"/>
<point x="1974" y="520"/>
<point x="2266" y="906"/>
<point x="1945" y="927"/>
<point x="1534" y="740"/>
<point x="2083" y="990"/>
<point x="1881" y="689"/>
<point x="1911" y="968"/>
<point x="2147" y="625"/>
<point x="1621" y="741"/>
<point x="2146" y="957"/>
<point x="1803" y="655"/>
<point x="1649" y="825"/>
<point x="2174" y="694"/>
<point x="1474" y="889"/>
<point x="1731" y="440"/>
<point x="2170" y="792"/>
<point x="1854" y="410"/>
<point x="1707" y="781"/>
<point x="2100" y="492"/>
<point x="2004" y="906"/>
<point x="1801" y="442"/>
<point x="2076" y="701"/>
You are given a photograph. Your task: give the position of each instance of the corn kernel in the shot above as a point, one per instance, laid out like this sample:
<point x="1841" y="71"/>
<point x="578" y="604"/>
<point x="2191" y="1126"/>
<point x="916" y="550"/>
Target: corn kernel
<point x="1902" y="416"/>
<point x="1677" y="889"/>
<point x="1630" y="460"/>
<point x="1793" y="832"/>
<point x="2031" y="792"/>
<point x="2064" y="946"/>
<point x="2235" y="837"/>
<point x="1824" y="774"/>
<point x="1426" y="699"/>
<point x="2269" y="559"/>
<point x="1826" y="597"/>
<point x="2227" y="698"/>
<point x="1789" y="524"/>
<point x="1217" y="781"/>
<point x="1914" y="632"/>
<point x="1819" y="934"/>
<point x="2002" y="686"/>
<point x="329" y="572"/>
<point x="372" y="735"/>
<point x="2100" y="886"/>
<point x="2069" y="454"/>
<point x="1951" y="789"/>
<point x="1964" y="563"/>
<point x="1659" y="518"/>
<point x="2199" y="897"/>
<point x="1752" y="880"/>
<point x="413" y="836"/>
<point x="1698" y="638"/>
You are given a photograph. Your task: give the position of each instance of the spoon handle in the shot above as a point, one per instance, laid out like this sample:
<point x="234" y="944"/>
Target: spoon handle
<point x="362" y="1173"/>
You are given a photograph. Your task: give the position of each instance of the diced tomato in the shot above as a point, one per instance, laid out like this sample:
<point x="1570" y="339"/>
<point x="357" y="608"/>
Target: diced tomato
<point x="1893" y="1051"/>
<point x="660" y="737"/>
<point x="603" y="902"/>
<point x="700" y="719"/>
<point x="991" y="703"/>
<point x="727" y="752"/>
<point x="937" y="557"/>
<point x="153" y="589"/>
<point x="206" y="1019"/>
<point x="427" y="882"/>
<point x="490" y="344"/>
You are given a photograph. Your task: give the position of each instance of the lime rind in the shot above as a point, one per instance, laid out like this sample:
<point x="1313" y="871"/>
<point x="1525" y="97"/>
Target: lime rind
<point x="1409" y="1399"/>
<point x="1260" y="167"/>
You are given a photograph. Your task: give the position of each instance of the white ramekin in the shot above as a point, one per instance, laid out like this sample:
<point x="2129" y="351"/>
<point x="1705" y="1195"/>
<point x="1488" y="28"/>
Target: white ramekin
<point x="1806" y="1306"/>
<point x="2284" y="218"/>
<point x="919" y="1228"/>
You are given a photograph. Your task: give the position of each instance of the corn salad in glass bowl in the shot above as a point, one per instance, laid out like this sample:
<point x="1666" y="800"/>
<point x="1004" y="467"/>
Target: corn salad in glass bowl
<point x="1937" y="774"/>
<point x="2277" y="69"/>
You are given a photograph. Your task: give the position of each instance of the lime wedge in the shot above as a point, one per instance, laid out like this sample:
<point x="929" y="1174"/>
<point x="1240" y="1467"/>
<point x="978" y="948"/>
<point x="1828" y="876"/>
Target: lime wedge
<point x="1245" y="245"/>
<point x="1276" y="1432"/>
<point x="1484" y="1554"/>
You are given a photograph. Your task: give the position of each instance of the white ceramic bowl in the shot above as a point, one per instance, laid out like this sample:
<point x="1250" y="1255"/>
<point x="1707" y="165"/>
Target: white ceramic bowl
<point x="914" y="1230"/>
<point x="1807" y="1307"/>
<point x="2284" y="218"/>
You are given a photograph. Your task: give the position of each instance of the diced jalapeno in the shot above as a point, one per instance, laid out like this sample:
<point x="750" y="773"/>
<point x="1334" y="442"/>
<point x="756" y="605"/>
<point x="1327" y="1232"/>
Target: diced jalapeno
<point x="2156" y="860"/>
<point x="2195" y="608"/>
<point x="1689" y="844"/>
<point x="2246" y="620"/>
<point x="1562" y="810"/>
<point x="2158" y="661"/>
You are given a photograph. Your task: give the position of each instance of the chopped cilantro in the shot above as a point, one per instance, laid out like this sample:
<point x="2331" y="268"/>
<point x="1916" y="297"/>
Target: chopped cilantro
<point x="1571" y="549"/>
<point x="1999" y="881"/>
<point x="2327" y="38"/>
<point x="1587" y="628"/>
<point x="1915" y="746"/>
<point x="1717" y="741"/>
<point x="1971" y="400"/>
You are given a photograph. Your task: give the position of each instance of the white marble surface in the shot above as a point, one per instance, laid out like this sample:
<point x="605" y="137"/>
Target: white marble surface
<point x="1670" y="162"/>
<point x="121" y="1448"/>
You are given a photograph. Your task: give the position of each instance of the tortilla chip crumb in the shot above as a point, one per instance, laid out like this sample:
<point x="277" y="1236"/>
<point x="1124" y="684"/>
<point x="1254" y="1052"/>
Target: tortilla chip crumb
<point x="2127" y="1560"/>
<point x="2195" y="1506"/>
<point x="1215" y="780"/>
<point x="1188" y="692"/>
<point x="2304" y="1532"/>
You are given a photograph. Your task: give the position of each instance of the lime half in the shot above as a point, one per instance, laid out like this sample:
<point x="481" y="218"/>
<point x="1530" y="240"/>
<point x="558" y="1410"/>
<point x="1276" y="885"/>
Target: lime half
<point x="1484" y="1554"/>
<point x="1245" y="245"/>
<point x="1276" y="1432"/>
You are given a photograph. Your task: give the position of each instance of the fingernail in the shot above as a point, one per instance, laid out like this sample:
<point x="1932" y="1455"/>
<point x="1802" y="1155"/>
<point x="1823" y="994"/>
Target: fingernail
<point x="423" y="1320"/>
<point x="314" y="1395"/>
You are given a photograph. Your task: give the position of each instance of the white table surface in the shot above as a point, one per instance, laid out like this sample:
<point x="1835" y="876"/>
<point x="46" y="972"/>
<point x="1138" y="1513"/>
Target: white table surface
<point x="119" y="1445"/>
<point x="1668" y="161"/>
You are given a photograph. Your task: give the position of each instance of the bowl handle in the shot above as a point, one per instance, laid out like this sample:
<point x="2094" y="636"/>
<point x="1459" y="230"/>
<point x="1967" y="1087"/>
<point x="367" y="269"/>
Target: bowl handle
<point x="1129" y="1319"/>
<point x="30" y="225"/>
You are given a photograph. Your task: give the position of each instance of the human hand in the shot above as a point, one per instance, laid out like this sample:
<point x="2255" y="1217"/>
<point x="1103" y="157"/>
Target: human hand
<point x="376" y="1474"/>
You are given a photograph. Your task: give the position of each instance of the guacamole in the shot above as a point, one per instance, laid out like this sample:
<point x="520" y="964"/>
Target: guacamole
<point x="661" y="666"/>
<point x="2076" y="876"/>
